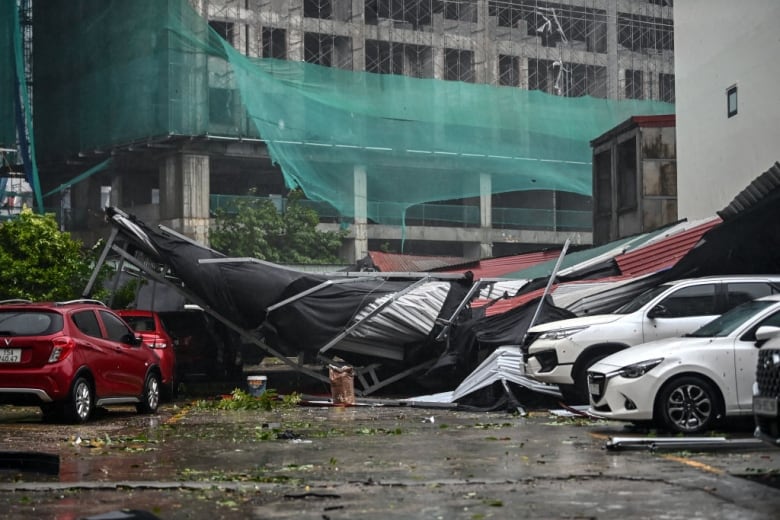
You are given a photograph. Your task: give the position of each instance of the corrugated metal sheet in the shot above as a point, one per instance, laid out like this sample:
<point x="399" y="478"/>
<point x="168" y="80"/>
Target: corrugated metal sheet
<point x="502" y="306"/>
<point x="486" y="268"/>
<point x="505" y="305"/>
<point x="500" y="267"/>
<point x="761" y="186"/>
<point x="664" y="251"/>
<point x="572" y="260"/>
<point x="396" y="263"/>
<point x="649" y="253"/>
<point x="409" y="318"/>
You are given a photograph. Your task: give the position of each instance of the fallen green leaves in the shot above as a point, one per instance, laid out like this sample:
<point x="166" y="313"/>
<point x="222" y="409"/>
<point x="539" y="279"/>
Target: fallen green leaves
<point x="241" y="400"/>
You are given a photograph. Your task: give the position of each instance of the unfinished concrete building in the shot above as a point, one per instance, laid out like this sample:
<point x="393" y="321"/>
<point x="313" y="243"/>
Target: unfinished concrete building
<point x="202" y="143"/>
<point x="601" y="48"/>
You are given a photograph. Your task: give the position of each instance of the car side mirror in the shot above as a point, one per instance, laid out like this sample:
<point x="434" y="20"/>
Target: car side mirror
<point x="659" y="311"/>
<point x="131" y="339"/>
<point x="766" y="332"/>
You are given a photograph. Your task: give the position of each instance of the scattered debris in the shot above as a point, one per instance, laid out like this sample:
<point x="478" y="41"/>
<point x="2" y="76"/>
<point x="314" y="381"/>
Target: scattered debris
<point x="678" y="443"/>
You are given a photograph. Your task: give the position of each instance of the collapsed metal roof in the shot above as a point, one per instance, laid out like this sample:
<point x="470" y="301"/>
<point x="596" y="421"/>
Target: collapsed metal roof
<point x="420" y="323"/>
<point x="761" y="187"/>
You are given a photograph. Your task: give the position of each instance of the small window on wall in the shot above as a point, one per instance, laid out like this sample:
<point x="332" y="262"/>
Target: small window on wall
<point x="731" y="100"/>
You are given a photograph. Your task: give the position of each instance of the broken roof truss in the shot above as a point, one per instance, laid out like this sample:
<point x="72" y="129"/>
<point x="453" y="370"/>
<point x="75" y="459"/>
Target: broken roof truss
<point x="386" y="311"/>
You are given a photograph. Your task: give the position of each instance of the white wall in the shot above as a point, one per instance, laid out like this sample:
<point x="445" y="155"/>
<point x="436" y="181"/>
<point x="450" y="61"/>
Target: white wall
<point x="719" y="43"/>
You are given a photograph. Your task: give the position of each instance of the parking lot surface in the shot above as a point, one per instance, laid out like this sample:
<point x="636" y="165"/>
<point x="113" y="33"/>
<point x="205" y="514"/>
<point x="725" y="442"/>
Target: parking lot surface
<point x="371" y="462"/>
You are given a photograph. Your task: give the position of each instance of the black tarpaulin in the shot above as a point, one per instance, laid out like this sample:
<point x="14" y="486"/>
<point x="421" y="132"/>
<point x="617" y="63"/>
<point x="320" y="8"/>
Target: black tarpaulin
<point x="293" y="311"/>
<point x="473" y="340"/>
<point x="748" y="239"/>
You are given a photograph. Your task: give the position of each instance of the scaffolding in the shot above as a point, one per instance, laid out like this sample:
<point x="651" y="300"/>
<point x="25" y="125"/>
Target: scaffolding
<point x="598" y="48"/>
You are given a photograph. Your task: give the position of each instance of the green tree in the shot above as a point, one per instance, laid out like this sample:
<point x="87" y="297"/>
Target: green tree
<point x="39" y="262"/>
<point x="255" y="228"/>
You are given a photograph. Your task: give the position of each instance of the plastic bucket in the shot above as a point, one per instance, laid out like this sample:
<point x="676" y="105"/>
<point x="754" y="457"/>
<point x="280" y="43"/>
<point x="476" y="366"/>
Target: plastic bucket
<point x="256" y="385"/>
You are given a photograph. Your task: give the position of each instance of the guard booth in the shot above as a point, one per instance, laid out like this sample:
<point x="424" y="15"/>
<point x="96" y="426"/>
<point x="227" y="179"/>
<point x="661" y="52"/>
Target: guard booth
<point x="634" y="178"/>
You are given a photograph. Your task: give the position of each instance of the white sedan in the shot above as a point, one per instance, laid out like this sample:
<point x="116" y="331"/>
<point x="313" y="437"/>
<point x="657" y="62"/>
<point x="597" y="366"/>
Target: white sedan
<point x="686" y="384"/>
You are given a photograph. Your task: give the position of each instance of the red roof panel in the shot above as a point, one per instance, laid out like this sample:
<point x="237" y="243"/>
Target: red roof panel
<point x="498" y="267"/>
<point x="487" y="268"/>
<point x="395" y="263"/>
<point x="664" y="253"/>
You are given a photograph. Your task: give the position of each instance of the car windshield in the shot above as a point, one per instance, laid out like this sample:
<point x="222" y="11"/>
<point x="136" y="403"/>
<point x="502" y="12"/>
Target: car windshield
<point x="731" y="320"/>
<point x="29" y="323"/>
<point x="641" y="300"/>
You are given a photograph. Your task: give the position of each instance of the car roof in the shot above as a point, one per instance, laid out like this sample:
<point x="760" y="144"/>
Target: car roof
<point x="727" y="278"/>
<point x="52" y="305"/>
<point x="135" y="312"/>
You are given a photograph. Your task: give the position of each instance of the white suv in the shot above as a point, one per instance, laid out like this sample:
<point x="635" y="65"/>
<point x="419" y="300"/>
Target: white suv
<point x="560" y="352"/>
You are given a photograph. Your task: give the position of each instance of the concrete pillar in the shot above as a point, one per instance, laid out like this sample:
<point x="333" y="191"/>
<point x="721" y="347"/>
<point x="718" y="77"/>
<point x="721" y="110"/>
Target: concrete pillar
<point x="341" y="10"/>
<point x="486" y="51"/>
<point x="79" y="194"/>
<point x="357" y="30"/>
<point x="485" y="214"/>
<point x="360" y="190"/>
<point x="295" y="30"/>
<point x="254" y="40"/>
<point x="650" y="79"/>
<point x="201" y="7"/>
<point x="117" y="196"/>
<point x="437" y="46"/>
<point x="485" y="200"/>
<point x="184" y="195"/>
<point x="613" y="86"/>
<point x="188" y="77"/>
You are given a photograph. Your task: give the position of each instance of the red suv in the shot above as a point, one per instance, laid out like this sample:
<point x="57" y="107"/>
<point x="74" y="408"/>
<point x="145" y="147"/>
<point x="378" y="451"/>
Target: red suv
<point x="148" y="326"/>
<point x="71" y="357"/>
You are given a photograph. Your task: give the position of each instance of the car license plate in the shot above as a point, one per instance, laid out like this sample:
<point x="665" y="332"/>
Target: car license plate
<point x="10" y="355"/>
<point x="766" y="406"/>
<point x="594" y="388"/>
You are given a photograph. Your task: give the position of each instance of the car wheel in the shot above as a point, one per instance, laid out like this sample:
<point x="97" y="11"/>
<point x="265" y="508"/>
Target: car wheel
<point x="78" y="407"/>
<point x="151" y="396"/>
<point x="688" y="405"/>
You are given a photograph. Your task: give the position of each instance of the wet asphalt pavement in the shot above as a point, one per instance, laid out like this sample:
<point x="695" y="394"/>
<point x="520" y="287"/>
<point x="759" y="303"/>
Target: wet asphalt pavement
<point x="372" y="462"/>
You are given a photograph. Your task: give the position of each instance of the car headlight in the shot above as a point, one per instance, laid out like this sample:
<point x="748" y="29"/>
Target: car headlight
<point x="637" y="369"/>
<point x="561" y="333"/>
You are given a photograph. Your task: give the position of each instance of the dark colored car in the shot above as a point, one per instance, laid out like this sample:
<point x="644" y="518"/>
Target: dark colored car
<point x="71" y="357"/>
<point x="150" y="329"/>
<point x="206" y="350"/>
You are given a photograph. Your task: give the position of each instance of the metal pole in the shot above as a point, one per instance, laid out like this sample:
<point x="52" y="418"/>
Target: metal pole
<point x="547" y="289"/>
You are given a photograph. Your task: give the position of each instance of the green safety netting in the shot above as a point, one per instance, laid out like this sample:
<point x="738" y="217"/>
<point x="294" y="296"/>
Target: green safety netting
<point x="7" y="57"/>
<point x="114" y="72"/>
<point x="16" y="132"/>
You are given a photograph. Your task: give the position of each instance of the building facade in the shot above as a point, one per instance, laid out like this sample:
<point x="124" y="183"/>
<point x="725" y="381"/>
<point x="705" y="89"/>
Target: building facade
<point x="573" y="48"/>
<point x="727" y="99"/>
